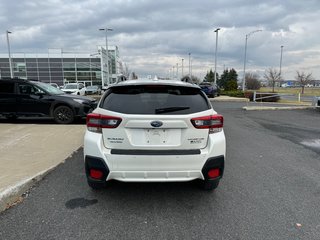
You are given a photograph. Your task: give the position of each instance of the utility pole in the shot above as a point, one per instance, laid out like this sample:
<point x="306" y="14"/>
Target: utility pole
<point x="10" y="62"/>
<point x="190" y="66"/>
<point x="177" y="70"/>
<point x="281" y="50"/>
<point x="245" y="59"/>
<point x="182" y="68"/>
<point x="107" y="52"/>
<point x="215" y="59"/>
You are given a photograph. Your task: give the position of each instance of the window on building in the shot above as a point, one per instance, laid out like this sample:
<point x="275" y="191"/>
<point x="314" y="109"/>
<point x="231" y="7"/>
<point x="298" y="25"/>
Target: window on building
<point x="19" y="67"/>
<point x="69" y="66"/>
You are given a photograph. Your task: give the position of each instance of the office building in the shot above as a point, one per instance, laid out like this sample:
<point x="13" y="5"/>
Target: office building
<point x="58" y="66"/>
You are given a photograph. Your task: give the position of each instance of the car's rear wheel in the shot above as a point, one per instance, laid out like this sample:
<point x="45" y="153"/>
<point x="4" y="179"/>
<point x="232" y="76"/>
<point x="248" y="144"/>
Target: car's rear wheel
<point x="63" y="115"/>
<point x="210" y="184"/>
<point x="97" y="185"/>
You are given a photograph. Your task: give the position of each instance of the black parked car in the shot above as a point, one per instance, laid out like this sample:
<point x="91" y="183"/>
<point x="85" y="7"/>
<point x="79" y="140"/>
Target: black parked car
<point x="19" y="97"/>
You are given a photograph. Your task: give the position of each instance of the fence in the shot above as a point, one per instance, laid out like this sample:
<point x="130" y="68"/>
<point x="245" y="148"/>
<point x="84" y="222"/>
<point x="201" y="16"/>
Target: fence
<point x="292" y="97"/>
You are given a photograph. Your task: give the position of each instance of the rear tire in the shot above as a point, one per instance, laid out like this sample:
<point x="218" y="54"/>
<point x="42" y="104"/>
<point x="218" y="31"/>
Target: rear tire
<point x="210" y="184"/>
<point x="63" y="115"/>
<point x="97" y="185"/>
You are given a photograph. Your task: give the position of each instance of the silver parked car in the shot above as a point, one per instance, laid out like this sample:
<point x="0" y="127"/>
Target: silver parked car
<point x="95" y="89"/>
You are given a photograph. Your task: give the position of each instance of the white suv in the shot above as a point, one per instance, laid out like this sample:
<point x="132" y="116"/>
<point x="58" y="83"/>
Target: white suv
<point x="75" y="89"/>
<point x="154" y="131"/>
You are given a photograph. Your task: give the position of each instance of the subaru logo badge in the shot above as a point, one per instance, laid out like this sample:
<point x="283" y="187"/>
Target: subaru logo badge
<point x="156" y="123"/>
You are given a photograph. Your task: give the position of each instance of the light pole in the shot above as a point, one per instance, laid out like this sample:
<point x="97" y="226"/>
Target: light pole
<point x="215" y="58"/>
<point x="177" y="70"/>
<point x="10" y="62"/>
<point x="182" y="67"/>
<point x="280" y="61"/>
<point x="106" y="29"/>
<point x="245" y="59"/>
<point x="190" y="66"/>
<point x="173" y="73"/>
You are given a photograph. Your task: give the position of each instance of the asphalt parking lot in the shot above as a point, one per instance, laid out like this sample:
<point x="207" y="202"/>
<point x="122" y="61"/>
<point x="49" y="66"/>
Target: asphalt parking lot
<point x="30" y="148"/>
<point x="270" y="190"/>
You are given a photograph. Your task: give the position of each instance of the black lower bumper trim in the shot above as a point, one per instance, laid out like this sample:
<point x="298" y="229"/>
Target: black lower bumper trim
<point x="96" y="163"/>
<point x="155" y="152"/>
<point x="211" y="163"/>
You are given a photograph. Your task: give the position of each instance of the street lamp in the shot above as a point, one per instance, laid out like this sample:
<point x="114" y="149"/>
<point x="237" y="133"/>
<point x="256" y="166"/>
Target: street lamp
<point x="280" y="61"/>
<point x="190" y="66"/>
<point x="177" y="70"/>
<point x="173" y="72"/>
<point x="182" y="67"/>
<point x="106" y="29"/>
<point x="215" y="58"/>
<point x="10" y="62"/>
<point x="245" y="59"/>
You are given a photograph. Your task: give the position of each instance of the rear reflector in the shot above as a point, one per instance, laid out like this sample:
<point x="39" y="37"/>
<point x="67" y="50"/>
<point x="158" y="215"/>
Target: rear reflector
<point x="96" y="174"/>
<point x="213" y="173"/>
<point x="213" y="122"/>
<point x="95" y="122"/>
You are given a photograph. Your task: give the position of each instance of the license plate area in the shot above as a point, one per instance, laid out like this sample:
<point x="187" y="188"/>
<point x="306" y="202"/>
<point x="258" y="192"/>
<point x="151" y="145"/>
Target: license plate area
<point x="156" y="136"/>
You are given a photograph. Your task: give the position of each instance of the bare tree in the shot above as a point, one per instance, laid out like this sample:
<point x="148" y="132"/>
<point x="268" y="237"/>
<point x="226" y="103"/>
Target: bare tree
<point x="272" y="76"/>
<point x="304" y="79"/>
<point x="252" y="81"/>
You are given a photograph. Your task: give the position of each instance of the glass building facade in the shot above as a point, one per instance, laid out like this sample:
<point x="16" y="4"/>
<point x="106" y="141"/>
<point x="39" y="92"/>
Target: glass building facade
<point x="59" y="67"/>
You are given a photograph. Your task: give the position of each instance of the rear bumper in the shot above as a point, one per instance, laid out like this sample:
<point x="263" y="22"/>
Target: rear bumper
<point x="155" y="175"/>
<point x="157" y="168"/>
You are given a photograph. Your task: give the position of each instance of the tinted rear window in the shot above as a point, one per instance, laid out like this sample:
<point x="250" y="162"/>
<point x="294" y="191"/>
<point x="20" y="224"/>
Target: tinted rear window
<point x="155" y="99"/>
<point x="6" y="87"/>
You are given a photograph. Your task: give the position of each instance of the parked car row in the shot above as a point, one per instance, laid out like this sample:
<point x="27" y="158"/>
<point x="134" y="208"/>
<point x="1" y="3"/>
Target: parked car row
<point x="79" y="89"/>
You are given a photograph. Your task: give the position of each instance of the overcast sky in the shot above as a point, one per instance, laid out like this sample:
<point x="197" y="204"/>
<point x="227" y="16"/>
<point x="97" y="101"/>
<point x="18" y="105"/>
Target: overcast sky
<point x="154" y="35"/>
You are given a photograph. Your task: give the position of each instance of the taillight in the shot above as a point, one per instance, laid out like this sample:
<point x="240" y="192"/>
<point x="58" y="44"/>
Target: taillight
<point x="95" y="122"/>
<point x="96" y="174"/>
<point x="214" y="123"/>
<point x="214" y="173"/>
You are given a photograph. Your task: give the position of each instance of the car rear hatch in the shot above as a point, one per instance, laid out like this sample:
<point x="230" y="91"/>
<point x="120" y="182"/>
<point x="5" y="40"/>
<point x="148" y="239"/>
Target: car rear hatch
<point x="154" y="117"/>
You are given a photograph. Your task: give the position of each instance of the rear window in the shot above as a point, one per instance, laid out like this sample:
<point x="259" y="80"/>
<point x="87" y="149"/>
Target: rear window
<point x="6" y="87"/>
<point x="155" y="99"/>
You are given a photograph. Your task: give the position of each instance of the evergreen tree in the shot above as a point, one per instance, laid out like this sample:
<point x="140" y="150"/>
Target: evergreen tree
<point x="228" y="80"/>
<point x="223" y="79"/>
<point x="210" y="76"/>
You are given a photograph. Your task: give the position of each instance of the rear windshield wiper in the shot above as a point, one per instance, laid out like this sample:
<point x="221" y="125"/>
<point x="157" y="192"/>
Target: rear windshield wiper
<point x="170" y="109"/>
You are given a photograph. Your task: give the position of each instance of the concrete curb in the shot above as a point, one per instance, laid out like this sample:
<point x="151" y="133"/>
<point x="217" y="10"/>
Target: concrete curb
<point x="261" y="108"/>
<point x="12" y="195"/>
<point x="229" y="99"/>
